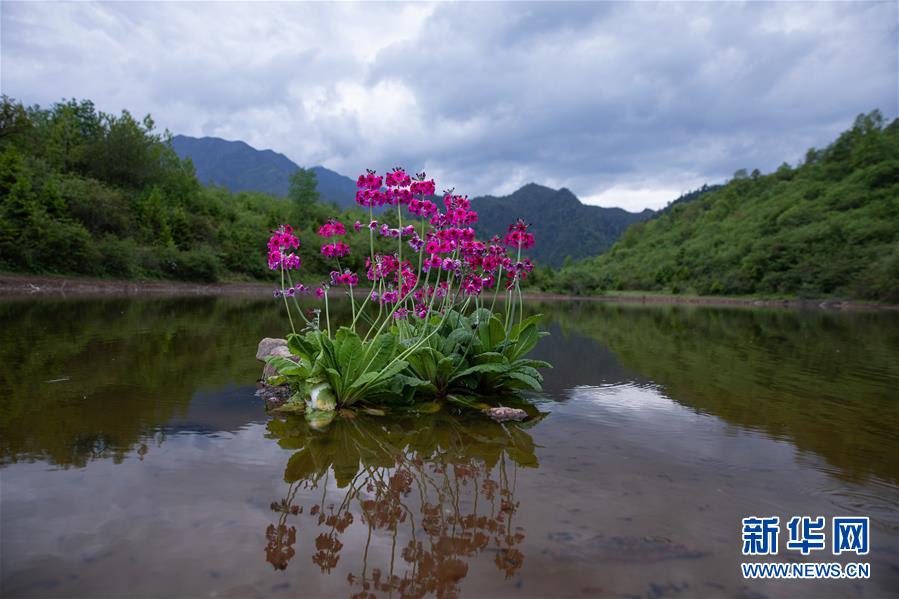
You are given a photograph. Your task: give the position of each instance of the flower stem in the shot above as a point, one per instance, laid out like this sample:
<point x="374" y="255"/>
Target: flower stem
<point x="327" y="314"/>
<point x="286" y="305"/>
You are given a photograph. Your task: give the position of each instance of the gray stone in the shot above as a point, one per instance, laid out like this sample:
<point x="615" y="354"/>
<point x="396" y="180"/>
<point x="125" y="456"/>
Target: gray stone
<point x="267" y="347"/>
<point x="502" y="414"/>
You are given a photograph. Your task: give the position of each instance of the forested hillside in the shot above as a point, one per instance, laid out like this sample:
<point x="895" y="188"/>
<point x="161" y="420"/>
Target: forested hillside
<point x="564" y="227"/>
<point x="85" y="192"/>
<point x="829" y="227"/>
<point x="238" y="166"/>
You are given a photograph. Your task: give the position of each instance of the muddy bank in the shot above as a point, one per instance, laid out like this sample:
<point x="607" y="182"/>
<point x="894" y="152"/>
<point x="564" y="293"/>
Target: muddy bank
<point x="12" y="285"/>
<point x="52" y="286"/>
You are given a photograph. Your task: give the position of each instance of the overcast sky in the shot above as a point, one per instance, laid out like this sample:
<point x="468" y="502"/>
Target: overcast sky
<point x="626" y="104"/>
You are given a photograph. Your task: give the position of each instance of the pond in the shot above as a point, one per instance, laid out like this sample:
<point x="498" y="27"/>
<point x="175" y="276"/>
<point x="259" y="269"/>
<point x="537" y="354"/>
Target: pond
<point x="137" y="461"/>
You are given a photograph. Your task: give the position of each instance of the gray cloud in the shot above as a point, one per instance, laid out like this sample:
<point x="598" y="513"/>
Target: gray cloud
<point x="624" y="103"/>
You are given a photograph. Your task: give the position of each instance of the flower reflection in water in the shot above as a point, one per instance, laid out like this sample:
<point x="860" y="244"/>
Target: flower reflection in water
<point x="439" y="487"/>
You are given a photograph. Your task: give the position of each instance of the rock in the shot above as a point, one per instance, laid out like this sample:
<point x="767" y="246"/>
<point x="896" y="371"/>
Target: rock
<point x="273" y="396"/>
<point x="502" y="414"/>
<point x="267" y="347"/>
<point x="279" y="350"/>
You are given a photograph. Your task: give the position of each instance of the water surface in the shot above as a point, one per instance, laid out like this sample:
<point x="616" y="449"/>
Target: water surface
<point x="136" y="460"/>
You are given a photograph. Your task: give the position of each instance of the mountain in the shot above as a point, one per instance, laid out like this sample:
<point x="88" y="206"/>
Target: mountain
<point x="237" y="166"/>
<point x="563" y="226"/>
<point x="828" y="227"/>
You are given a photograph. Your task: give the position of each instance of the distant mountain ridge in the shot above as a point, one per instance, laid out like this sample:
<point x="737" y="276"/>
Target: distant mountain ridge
<point x="238" y="166"/>
<point x="563" y="226"/>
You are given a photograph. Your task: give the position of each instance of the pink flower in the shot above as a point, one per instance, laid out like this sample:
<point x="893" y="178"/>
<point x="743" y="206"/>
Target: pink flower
<point x="433" y="261"/>
<point x="357" y="225"/>
<point x="401" y="314"/>
<point x="335" y="250"/>
<point x="319" y="292"/>
<point x="397" y="178"/>
<point x="383" y="266"/>
<point x="424" y="208"/>
<point x="472" y="285"/>
<point x="331" y="228"/>
<point x="283" y="239"/>
<point x="369" y="181"/>
<point x="423" y="188"/>
<point x="416" y="243"/>
<point x="518" y="272"/>
<point x="518" y="237"/>
<point x="345" y="278"/>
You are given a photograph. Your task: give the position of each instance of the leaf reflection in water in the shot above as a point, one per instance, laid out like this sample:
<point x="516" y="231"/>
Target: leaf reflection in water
<point x="440" y="486"/>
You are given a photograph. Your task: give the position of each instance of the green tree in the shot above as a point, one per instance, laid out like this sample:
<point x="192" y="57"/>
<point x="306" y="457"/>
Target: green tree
<point x="303" y="188"/>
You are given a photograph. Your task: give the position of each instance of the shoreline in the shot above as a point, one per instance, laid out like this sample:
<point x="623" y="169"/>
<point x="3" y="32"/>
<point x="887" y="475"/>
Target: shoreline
<point x="706" y="300"/>
<point x="44" y="286"/>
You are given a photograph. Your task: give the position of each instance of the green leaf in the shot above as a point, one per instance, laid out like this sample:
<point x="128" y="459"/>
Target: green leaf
<point x="491" y="332"/>
<point x="488" y="356"/>
<point x="527" y="339"/>
<point x="350" y="353"/>
<point x="287" y="367"/>
<point x="306" y="346"/>
<point x="516" y="329"/>
<point x="525" y="380"/>
<point x="531" y="372"/>
<point x="335" y="381"/>
<point x="533" y="363"/>
<point x="483" y="368"/>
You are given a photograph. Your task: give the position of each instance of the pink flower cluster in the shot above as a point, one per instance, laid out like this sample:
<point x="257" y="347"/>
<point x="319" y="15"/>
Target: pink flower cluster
<point x="398" y="178"/>
<point x="382" y="266"/>
<point x="449" y="246"/>
<point x="395" y="188"/>
<point x="344" y="278"/>
<point x="337" y="249"/>
<point x="518" y="236"/>
<point x="291" y="291"/>
<point x="331" y="228"/>
<point x="385" y="231"/>
<point x="281" y="241"/>
<point x="458" y="212"/>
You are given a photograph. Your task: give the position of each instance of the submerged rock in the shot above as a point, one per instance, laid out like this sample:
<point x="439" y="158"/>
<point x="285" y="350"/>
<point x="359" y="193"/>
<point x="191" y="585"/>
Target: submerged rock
<point x="274" y="396"/>
<point x="502" y="414"/>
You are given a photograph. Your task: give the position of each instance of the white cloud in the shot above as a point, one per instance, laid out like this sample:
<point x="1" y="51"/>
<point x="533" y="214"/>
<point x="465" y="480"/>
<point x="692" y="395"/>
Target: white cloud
<point x="620" y="102"/>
